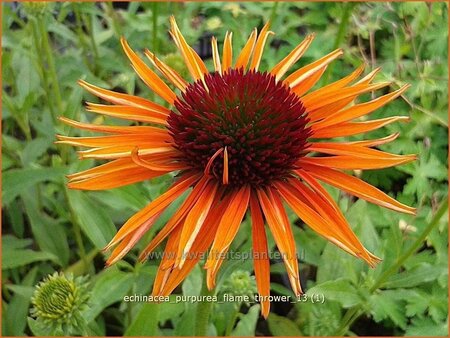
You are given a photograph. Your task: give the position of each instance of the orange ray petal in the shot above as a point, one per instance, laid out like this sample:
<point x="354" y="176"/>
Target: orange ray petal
<point x="352" y="149"/>
<point x="369" y="77"/>
<point x="339" y="227"/>
<point x="245" y="53"/>
<point x="353" y="128"/>
<point x="260" y="255"/>
<point x="323" y="193"/>
<point x="283" y="66"/>
<point x="106" y="168"/>
<point x="202" y="242"/>
<point x="356" y="187"/>
<point x="260" y="43"/>
<point x="282" y="233"/>
<point x="309" y="82"/>
<point x="352" y="162"/>
<point x="211" y="161"/>
<point x="110" y="153"/>
<point x="109" y="129"/>
<point x="296" y="78"/>
<point x="162" y="137"/>
<point x="280" y="212"/>
<point x="337" y="84"/>
<point x="163" y="272"/>
<point x="360" y="109"/>
<point x="168" y="261"/>
<point x="225" y="167"/>
<point x="215" y="54"/>
<point x="129" y="241"/>
<point x="309" y="215"/>
<point x="147" y="75"/>
<point x="375" y="142"/>
<point x="177" y="218"/>
<point x="228" y="227"/>
<point x="128" y="113"/>
<point x="227" y="55"/>
<point x="194" y="222"/>
<point x="170" y="73"/>
<point x="157" y="165"/>
<point x="194" y="63"/>
<point x="123" y="99"/>
<point x="335" y="100"/>
<point x="156" y="206"/>
<point x="112" y="178"/>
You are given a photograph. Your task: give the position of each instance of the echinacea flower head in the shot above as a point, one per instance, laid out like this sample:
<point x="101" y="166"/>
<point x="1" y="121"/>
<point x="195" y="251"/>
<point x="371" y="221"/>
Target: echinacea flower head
<point x="58" y="302"/>
<point x="241" y="140"/>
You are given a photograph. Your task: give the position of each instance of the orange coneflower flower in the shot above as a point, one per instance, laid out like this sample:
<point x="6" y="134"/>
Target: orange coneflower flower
<point x="240" y="140"/>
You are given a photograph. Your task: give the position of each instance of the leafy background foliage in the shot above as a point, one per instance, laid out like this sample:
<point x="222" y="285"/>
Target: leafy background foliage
<point x="47" y="228"/>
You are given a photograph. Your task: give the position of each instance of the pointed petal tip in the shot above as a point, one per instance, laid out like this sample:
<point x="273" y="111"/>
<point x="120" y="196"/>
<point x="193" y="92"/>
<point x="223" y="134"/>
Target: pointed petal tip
<point x="265" y="309"/>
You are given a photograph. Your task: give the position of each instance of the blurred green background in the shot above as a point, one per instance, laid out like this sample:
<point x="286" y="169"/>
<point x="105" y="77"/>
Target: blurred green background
<point x="47" y="47"/>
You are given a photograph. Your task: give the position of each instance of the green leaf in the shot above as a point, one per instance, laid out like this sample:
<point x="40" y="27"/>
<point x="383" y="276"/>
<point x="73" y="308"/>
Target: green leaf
<point x="383" y="306"/>
<point x="420" y="274"/>
<point x="37" y="328"/>
<point x="14" y="258"/>
<point x="27" y="77"/>
<point x="339" y="290"/>
<point x="49" y="234"/>
<point x="24" y="291"/>
<point x="282" y="326"/>
<point x="9" y="242"/>
<point x="94" y="221"/>
<point x="146" y="321"/>
<point x="170" y="310"/>
<point x="426" y="327"/>
<point x="247" y="324"/>
<point x="110" y="287"/>
<point x="18" y="181"/>
<point x="15" y="315"/>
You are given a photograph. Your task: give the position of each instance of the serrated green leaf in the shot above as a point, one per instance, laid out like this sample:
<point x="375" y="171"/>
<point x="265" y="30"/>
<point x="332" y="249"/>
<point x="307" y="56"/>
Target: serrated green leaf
<point x="383" y="306"/>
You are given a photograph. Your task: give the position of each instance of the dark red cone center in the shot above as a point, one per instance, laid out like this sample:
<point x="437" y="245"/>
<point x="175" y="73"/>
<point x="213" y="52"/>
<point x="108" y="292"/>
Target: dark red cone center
<point x="259" y="120"/>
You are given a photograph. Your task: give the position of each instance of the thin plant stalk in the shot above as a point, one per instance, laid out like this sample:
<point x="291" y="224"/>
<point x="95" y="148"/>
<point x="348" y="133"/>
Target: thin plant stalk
<point x="203" y="311"/>
<point x="51" y="64"/>
<point x="343" y="25"/>
<point x="155" y="14"/>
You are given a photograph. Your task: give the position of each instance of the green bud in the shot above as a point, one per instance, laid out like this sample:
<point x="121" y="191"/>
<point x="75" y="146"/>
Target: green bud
<point x="240" y="283"/>
<point x="176" y="62"/>
<point x="213" y="23"/>
<point x="58" y="302"/>
<point x="37" y="8"/>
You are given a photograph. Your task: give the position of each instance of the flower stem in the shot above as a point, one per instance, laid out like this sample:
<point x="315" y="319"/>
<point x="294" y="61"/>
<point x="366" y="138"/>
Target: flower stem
<point x="413" y="248"/>
<point x="274" y="12"/>
<point x="203" y="311"/>
<point x="348" y="7"/>
<point x="353" y="313"/>
<point x="51" y="64"/>
<point x="115" y="20"/>
<point x="155" y="12"/>
<point x="37" y="45"/>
